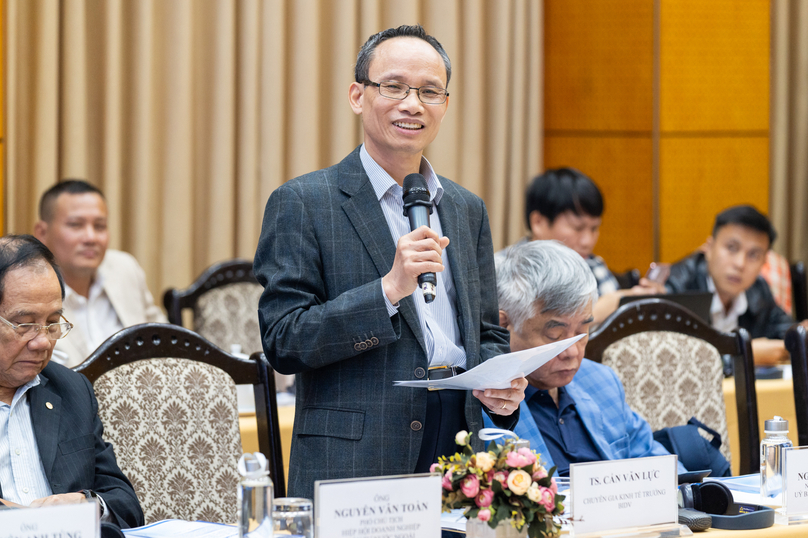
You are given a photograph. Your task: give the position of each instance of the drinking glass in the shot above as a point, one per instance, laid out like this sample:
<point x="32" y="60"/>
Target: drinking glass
<point x="292" y="516"/>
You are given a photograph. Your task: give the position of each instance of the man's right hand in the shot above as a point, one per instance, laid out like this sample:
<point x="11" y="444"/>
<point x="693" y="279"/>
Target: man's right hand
<point x="417" y="253"/>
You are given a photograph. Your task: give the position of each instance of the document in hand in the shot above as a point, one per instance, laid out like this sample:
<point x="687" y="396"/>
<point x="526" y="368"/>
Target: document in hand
<point x="497" y="372"/>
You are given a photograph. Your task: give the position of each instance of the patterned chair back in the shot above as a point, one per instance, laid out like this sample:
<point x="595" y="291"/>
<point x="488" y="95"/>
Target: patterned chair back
<point x="224" y="300"/>
<point x="180" y="456"/>
<point x="669" y="361"/>
<point x="167" y="399"/>
<point x="227" y="315"/>
<point x="670" y="377"/>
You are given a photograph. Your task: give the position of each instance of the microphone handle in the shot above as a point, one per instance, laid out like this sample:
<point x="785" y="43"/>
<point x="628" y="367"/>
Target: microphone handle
<point x="428" y="282"/>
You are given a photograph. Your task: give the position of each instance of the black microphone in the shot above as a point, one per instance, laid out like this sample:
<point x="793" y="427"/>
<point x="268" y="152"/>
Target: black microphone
<point x="418" y="208"/>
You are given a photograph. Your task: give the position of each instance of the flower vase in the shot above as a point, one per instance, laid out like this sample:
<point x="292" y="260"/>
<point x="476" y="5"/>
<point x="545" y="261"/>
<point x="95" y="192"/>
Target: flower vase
<point x="480" y="529"/>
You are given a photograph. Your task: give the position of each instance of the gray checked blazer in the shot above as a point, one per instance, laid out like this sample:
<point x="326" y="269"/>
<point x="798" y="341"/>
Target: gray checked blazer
<point x="324" y="247"/>
<point x="69" y="437"/>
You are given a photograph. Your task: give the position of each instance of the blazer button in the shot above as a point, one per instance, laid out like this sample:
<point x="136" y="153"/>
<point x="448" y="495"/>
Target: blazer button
<point x="374" y="341"/>
<point x="356" y="347"/>
<point x="415" y="425"/>
<point x="420" y="372"/>
<point x="368" y="343"/>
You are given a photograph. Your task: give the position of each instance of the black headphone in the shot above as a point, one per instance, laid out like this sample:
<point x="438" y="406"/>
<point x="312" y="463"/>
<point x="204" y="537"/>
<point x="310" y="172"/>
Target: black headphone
<point x="715" y="498"/>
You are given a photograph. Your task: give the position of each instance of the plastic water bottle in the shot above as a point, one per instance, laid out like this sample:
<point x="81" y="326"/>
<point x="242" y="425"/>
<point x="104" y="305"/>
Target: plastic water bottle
<point x="772" y="456"/>
<point x="255" y="494"/>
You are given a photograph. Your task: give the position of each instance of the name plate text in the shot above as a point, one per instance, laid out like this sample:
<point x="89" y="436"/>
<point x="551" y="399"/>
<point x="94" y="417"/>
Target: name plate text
<point x="66" y="520"/>
<point x="795" y="488"/>
<point x="622" y="494"/>
<point x="404" y="506"/>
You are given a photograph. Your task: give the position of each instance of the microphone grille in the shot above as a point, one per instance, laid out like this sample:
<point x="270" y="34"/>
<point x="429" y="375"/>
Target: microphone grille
<point x="415" y="188"/>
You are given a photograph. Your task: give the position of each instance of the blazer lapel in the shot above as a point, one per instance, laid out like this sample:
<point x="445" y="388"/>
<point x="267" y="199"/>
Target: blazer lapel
<point x="45" y="420"/>
<point x="367" y="218"/>
<point x="119" y="295"/>
<point x="592" y="417"/>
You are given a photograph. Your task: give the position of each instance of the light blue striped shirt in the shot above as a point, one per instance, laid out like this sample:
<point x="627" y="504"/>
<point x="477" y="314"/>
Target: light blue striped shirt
<point x="22" y="476"/>
<point x="438" y="319"/>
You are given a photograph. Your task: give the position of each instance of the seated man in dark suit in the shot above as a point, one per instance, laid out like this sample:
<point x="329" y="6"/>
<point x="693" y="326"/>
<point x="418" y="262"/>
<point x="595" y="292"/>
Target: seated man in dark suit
<point x="728" y="266"/>
<point x="51" y="446"/>
<point x="574" y="410"/>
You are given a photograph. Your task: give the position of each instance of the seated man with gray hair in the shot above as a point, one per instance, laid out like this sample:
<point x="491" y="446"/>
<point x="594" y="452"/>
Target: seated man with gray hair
<point x="574" y="409"/>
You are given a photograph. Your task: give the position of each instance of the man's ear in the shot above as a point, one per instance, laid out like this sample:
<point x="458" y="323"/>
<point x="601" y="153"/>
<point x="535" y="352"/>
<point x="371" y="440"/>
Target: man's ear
<point x="539" y="225"/>
<point x="40" y="229"/>
<point x="356" y="94"/>
<point x="504" y="322"/>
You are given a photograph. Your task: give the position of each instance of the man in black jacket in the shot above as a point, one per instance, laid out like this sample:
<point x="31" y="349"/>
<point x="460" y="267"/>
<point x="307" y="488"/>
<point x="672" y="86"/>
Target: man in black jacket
<point x="729" y="266"/>
<point x="52" y="449"/>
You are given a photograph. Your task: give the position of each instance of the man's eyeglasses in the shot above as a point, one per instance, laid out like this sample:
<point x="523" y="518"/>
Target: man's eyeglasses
<point x="429" y="95"/>
<point x="29" y="331"/>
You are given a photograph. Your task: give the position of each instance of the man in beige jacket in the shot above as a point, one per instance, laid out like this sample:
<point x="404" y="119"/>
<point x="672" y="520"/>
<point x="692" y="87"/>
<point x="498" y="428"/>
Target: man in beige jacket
<point x="105" y="290"/>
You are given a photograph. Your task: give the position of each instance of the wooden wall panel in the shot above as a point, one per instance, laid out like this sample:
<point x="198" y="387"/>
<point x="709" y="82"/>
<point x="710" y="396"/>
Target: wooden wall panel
<point x="598" y="64"/>
<point x="714" y="116"/>
<point x="622" y="169"/>
<point x="699" y="177"/>
<point x="714" y="59"/>
<point x="598" y="113"/>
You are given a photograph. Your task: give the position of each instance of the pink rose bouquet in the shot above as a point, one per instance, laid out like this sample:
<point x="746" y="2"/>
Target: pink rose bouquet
<point x="502" y="484"/>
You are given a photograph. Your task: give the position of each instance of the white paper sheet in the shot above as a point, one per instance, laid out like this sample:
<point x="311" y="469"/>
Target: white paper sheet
<point x="174" y="527"/>
<point x="499" y="371"/>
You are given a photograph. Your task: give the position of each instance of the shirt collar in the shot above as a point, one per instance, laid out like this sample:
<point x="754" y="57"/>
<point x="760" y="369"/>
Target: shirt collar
<point x="21" y="391"/>
<point x="563" y="396"/>
<point x="737" y="308"/>
<point x="95" y="290"/>
<point x="383" y="182"/>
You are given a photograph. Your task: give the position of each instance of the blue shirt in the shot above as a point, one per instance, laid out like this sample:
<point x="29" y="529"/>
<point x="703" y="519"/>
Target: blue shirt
<point x="564" y="432"/>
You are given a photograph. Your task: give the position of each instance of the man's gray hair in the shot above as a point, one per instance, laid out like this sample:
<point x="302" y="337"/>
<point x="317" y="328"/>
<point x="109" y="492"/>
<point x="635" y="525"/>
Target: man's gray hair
<point x="543" y="274"/>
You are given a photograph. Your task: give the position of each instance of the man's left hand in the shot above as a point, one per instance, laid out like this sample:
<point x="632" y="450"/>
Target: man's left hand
<point x="62" y="498"/>
<point x="503" y="401"/>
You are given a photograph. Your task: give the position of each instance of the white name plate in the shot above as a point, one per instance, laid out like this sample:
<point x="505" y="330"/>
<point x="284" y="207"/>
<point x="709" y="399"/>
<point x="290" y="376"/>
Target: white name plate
<point x="795" y="486"/>
<point x="66" y="521"/>
<point x="623" y="494"/>
<point x="406" y="506"/>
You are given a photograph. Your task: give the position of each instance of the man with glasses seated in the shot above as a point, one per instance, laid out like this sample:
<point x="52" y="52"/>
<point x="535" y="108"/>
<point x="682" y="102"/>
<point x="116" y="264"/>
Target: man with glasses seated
<point x="575" y="410"/>
<point x="51" y="446"/>
<point x="341" y="306"/>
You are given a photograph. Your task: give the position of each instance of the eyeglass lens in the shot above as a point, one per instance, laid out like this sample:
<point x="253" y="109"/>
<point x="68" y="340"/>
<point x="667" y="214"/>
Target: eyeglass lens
<point x="427" y="94"/>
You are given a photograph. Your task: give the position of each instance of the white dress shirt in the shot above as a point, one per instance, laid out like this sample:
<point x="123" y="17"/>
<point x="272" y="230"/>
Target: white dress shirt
<point x="22" y="477"/>
<point x="725" y="320"/>
<point x="94" y="316"/>
<point x="438" y="319"/>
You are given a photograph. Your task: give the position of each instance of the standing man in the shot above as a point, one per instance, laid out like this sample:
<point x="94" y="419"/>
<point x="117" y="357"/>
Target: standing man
<point x="105" y="289"/>
<point x="341" y="306"/>
<point x="52" y="449"/>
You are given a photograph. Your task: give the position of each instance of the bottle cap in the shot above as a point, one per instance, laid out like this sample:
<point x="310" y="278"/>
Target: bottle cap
<point x="253" y="466"/>
<point x="776" y="425"/>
